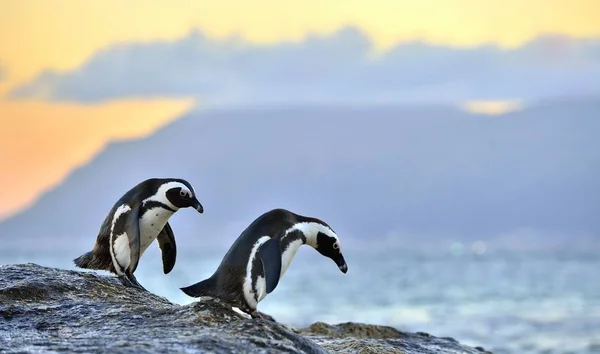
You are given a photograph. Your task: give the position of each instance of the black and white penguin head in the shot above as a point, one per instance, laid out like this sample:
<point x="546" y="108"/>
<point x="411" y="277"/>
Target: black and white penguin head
<point x="321" y="237"/>
<point x="176" y="193"/>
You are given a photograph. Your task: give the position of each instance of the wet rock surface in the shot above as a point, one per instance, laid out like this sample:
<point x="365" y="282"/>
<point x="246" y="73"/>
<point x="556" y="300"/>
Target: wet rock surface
<point x="53" y="310"/>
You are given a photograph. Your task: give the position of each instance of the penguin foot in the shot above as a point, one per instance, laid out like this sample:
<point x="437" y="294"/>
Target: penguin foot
<point x="136" y="283"/>
<point x="125" y="281"/>
<point x="131" y="282"/>
<point x="262" y="316"/>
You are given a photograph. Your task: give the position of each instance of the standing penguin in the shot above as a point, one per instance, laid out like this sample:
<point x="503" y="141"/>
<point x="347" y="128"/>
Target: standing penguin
<point x="138" y="218"/>
<point x="259" y="257"/>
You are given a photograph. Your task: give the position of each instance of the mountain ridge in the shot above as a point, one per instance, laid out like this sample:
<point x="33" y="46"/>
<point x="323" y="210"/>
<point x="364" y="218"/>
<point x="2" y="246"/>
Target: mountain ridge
<point x="429" y="171"/>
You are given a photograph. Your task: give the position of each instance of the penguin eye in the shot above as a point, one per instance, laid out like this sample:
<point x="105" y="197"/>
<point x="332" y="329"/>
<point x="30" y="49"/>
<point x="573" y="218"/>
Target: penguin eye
<point x="183" y="193"/>
<point x="336" y="246"/>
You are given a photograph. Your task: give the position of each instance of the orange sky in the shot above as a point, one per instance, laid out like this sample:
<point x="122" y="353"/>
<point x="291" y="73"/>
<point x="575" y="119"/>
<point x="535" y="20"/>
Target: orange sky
<point x="41" y="142"/>
<point x="60" y="34"/>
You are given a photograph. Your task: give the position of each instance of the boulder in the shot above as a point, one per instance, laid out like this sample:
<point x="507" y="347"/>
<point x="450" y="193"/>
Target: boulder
<point x="54" y="310"/>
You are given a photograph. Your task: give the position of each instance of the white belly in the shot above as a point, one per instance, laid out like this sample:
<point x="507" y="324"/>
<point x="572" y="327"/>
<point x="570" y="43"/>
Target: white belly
<point x="151" y="224"/>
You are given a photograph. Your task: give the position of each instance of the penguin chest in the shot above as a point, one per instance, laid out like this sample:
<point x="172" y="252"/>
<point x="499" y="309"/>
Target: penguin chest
<point x="151" y="224"/>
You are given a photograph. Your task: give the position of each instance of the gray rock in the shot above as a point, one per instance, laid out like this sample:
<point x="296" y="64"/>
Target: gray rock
<point x="53" y="310"/>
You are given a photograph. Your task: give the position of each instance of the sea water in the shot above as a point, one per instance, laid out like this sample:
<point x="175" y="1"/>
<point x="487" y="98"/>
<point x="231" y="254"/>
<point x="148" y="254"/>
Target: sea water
<point x="506" y="302"/>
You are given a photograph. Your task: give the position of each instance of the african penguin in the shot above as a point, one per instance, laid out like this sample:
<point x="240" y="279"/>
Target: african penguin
<point x="138" y="218"/>
<point x="259" y="257"/>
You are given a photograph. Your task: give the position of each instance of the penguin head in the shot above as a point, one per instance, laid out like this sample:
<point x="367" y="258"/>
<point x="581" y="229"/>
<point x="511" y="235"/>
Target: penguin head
<point x="329" y="246"/>
<point x="180" y="194"/>
<point x="320" y="236"/>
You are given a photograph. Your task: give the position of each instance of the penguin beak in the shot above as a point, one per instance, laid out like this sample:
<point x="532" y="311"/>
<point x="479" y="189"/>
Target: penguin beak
<point x="196" y="204"/>
<point x="341" y="263"/>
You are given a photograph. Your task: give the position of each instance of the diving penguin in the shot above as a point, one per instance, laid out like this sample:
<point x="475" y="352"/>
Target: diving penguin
<point x="138" y="218"/>
<point x="259" y="257"/>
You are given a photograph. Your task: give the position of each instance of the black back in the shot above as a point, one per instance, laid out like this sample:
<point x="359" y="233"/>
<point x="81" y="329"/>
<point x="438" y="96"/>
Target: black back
<point x="232" y="269"/>
<point x="272" y="223"/>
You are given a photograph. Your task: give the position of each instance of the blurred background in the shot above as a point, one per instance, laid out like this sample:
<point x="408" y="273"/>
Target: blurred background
<point x="452" y="144"/>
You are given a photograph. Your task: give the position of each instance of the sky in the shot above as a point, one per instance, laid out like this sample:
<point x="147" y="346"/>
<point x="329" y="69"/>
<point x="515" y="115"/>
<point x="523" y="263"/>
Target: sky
<point x="43" y="137"/>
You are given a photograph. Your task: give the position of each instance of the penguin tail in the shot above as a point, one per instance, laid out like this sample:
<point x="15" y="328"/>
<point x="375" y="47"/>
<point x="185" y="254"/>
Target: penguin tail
<point x="206" y="287"/>
<point x="87" y="261"/>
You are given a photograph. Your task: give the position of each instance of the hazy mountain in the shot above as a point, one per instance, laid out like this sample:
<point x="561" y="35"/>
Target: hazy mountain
<point x="412" y="175"/>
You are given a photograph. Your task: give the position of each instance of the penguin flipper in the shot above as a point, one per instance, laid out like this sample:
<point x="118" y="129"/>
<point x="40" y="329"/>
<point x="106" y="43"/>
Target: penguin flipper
<point x="132" y="227"/>
<point x="270" y="255"/>
<point x="168" y="248"/>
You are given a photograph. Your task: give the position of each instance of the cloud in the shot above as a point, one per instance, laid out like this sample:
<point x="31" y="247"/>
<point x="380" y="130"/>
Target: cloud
<point x="339" y="67"/>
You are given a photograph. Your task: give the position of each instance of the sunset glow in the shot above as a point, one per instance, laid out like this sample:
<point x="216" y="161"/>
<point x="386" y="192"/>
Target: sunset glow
<point x="492" y="108"/>
<point x="36" y="154"/>
<point x="41" y="34"/>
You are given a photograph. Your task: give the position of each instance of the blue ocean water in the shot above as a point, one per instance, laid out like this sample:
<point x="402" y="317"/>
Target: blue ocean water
<point x="507" y="303"/>
<point x="521" y="303"/>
